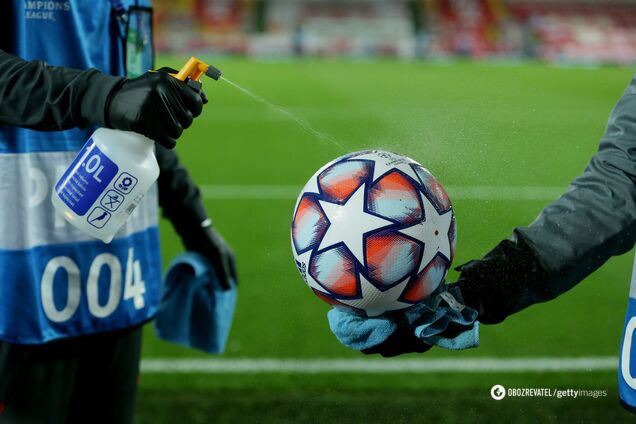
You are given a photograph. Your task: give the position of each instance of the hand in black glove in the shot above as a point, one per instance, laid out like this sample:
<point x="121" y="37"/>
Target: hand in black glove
<point x="181" y="202"/>
<point x="209" y="243"/>
<point x="508" y="279"/>
<point x="155" y="104"/>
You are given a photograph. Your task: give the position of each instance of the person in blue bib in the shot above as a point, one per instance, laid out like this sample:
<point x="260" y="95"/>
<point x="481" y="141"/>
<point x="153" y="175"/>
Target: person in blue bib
<point x="72" y="307"/>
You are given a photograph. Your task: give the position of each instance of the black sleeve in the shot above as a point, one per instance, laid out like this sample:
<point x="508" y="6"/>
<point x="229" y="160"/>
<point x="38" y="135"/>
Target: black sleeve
<point x="42" y="97"/>
<point x="573" y="236"/>
<point x="179" y="198"/>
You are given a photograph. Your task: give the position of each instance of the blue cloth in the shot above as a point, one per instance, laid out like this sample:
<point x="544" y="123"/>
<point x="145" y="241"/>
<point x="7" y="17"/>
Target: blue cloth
<point x="195" y="310"/>
<point x="441" y="320"/>
<point x="358" y="332"/>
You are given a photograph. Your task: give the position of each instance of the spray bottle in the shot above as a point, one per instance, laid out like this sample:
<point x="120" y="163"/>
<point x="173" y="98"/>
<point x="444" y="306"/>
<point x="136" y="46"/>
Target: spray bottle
<point x="111" y="174"/>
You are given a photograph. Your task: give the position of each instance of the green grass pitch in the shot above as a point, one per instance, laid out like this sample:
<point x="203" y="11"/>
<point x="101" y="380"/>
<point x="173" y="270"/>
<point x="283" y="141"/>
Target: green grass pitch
<point x="471" y="124"/>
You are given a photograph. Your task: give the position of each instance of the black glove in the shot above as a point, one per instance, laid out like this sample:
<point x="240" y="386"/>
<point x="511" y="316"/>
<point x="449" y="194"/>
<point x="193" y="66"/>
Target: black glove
<point x="508" y="279"/>
<point x="209" y="243"/>
<point x="181" y="202"/>
<point x="155" y="104"/>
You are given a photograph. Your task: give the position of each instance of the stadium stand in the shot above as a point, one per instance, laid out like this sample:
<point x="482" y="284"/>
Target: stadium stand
<point x="571" y="31"/>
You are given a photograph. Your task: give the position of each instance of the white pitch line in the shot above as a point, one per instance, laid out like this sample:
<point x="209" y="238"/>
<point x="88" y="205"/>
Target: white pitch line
<point x="250" y="192"/>
<point x="377" y="366"/>
<point x="288" y="192"/>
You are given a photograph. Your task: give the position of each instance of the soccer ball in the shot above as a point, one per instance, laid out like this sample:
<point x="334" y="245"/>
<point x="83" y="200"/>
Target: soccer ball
<point x="373" y="231"/>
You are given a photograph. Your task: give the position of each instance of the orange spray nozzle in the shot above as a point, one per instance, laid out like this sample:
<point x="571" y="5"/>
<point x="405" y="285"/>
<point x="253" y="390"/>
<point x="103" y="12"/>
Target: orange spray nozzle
<point x="195" y="69"/>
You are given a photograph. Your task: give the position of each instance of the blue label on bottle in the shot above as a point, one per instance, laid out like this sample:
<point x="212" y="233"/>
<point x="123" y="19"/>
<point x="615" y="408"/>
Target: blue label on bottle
<point x="86" y="179"/>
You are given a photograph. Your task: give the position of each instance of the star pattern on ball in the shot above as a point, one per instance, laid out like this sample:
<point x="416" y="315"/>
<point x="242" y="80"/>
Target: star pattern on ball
<point x="385" y="162"/>
<point x="348" y="223"/>
<point x="311" y="186"/>
<point x="432" y="232"/>
<point x="311" y="282"/>
<point x="383" y="301"/>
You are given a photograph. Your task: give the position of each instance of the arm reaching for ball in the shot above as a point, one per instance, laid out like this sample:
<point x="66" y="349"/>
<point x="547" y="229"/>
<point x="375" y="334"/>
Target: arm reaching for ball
<point x="572" y="237"/>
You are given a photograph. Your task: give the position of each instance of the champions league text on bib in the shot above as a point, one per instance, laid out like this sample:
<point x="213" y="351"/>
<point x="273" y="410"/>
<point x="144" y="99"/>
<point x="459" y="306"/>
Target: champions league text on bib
<point x="57" y="282"/>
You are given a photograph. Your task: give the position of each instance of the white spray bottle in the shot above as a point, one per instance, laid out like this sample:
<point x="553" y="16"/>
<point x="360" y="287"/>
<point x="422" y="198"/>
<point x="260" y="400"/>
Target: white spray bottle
<point x="111" y="174"/>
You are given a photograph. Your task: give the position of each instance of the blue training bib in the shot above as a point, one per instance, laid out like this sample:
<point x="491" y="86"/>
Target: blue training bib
<point x="57" y="282"/>
<point x="627" y="364"/>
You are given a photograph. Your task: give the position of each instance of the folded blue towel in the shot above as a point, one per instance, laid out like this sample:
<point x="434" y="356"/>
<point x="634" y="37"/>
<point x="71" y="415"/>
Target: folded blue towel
<point x="358" y="332"/>
<point x="441" y="320"/>
<point x="195" y="310"/>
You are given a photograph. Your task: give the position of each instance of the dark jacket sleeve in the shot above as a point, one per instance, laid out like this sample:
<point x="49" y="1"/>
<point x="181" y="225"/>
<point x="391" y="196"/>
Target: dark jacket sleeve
<point x="179" y="198"/>
<point x="42" y="97"/>
<point x="572" y="237"/>
<point x="596" y="218"/>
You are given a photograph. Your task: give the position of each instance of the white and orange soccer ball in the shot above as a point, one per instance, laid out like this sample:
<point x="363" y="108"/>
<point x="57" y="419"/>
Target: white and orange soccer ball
<point x="373" y="231"/>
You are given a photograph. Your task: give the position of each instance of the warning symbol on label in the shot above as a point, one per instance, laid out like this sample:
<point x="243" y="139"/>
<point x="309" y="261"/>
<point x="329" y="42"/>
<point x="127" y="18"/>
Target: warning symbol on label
<point x="98" y="217"/>
<point x="125" y="183"/>
<point x="112" y="200"/>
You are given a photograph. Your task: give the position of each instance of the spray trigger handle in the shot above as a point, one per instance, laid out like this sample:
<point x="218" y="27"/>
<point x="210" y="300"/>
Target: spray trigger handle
<point x="195" y="68"/>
